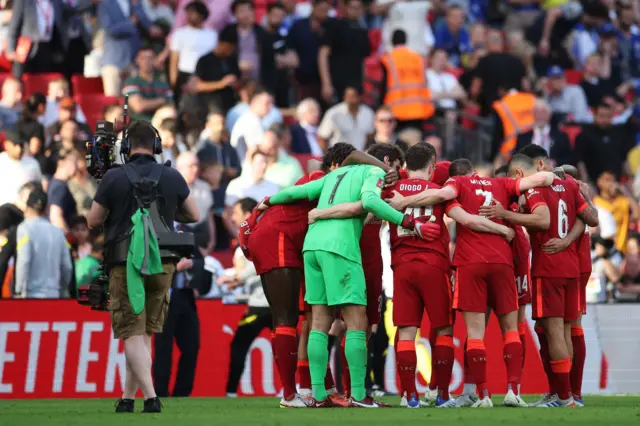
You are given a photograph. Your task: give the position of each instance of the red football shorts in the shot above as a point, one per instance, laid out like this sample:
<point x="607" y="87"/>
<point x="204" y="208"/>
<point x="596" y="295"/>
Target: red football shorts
<point x="523" y="283"/>
<point x="482" y="285"/>
<point x="556" y="297"/>
<point x="272" y="249"/>
<point x="418" y="286"/>
<point x="584" y="280"/>
<point x="373" y="278"/>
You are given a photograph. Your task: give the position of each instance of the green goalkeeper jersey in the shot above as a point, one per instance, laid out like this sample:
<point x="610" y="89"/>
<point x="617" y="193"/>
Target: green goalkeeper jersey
<point x="346" y="184"/>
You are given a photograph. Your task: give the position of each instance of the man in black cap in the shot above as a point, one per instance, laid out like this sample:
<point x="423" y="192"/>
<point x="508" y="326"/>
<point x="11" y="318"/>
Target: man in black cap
<point x="38" y="239"/>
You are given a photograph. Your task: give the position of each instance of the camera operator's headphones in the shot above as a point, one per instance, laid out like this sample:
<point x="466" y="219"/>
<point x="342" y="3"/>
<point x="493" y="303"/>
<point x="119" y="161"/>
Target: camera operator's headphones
<point x="125" y="145"/>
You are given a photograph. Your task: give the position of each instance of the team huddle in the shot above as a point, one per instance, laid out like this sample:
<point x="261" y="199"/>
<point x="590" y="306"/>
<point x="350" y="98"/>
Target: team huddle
<point x="317" y="248"/>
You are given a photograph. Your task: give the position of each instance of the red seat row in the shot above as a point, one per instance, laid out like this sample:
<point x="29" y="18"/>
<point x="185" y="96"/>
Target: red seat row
<point x="40" y="83"/>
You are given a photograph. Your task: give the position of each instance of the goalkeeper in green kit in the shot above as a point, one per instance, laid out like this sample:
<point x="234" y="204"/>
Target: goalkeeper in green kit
<point x="333" y="268"/>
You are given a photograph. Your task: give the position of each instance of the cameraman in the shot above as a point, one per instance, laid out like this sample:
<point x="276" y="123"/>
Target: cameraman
<point x="114" y="205"/>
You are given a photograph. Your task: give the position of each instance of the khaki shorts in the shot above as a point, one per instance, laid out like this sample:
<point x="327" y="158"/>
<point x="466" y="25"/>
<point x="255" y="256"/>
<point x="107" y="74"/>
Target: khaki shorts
<point x="151" y="320"/>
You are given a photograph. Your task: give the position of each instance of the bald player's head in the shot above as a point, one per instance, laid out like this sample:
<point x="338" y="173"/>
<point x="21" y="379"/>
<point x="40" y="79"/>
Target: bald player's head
<point x="521" y="166"/>
<point x="570" y="170"/>
<point x="539" y="155"/>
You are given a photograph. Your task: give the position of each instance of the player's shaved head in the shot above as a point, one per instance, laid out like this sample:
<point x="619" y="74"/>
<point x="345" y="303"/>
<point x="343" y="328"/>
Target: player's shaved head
<point x="387" y="153"/>
<point x="420" y="156"/>
<point x="539" y="155"/>
<point x="521" y="166"/>
<point x="570" y="170"/>
<point x="336" y="155"/>
<point x="461" y="167"/>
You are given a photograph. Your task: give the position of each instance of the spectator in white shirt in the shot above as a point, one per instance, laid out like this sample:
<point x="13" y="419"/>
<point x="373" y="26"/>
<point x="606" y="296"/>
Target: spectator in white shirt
<point x="443" y="85"/>
<point x="283" y="169"/>
<point x="15" y="168"/>
<point x="190" y="43"/>
<point x="246" y="92"/>
<point x="58" y="89"/>
<point x="304" y="133"/>
<point x="349" y="121"/>
<point x="247" y="131"/>
<point x="252" y="183"/>
<point x="204" y="230"/>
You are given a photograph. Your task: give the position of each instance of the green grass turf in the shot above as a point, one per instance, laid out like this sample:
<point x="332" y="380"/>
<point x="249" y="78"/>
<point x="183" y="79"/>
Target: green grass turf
<point x="601" y="411"/>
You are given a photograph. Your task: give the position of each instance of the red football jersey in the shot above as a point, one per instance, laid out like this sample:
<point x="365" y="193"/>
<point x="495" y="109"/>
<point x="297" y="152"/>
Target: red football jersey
<point x="472" y="192"/>
<point x="564" y="202"/>
<point x="583" y="247"/>
<point x="520" y="244"/>
<point x="584" y="252"/>
<point x="291" y="219"/>
<point x="441" y="173"/>
<point x="405" y="245"/>
<point x="370" y="245"/>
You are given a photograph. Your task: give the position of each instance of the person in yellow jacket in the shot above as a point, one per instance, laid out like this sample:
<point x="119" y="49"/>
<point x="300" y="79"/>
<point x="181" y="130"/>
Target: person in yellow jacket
<point x="404" y="89"/>
<point x="514" y="116"/>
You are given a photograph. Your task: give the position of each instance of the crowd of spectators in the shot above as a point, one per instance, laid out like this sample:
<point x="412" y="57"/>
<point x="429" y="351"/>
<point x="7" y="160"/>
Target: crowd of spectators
<point x="245" y="94"/>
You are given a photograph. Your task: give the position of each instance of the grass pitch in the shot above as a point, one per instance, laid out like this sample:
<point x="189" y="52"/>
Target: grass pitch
<point x="600" y="410"/>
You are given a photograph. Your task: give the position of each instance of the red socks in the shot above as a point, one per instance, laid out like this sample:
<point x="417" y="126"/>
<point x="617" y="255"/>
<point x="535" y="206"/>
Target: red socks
<point x="522" y="331"/>
<point x="468" y="377"/>
<point x="286" y="353"/>
<point x="546" y="358"/>
<point x="561" y="370"/>
<point x="328" y="379"/>
<point x="433" y="380"/>
<point x="406" y="362"/>
<point x="513" y="359"/>
<point x="304" y="376"/>
<point x="443" y="355"/>
<point x="579" y="355"/>
<point x="477" y="357"/>
<point x="346" y="375"/>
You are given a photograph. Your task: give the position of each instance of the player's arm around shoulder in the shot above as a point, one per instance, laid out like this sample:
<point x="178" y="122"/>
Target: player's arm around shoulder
<point x="429" y="197"/>
<point x="339" y="211"/>
<point x="536" y="180"/>
<point x="479" y="223"/>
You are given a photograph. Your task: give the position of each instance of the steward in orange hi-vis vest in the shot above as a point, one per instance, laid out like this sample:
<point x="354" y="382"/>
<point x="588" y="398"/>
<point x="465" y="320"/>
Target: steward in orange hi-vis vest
<point x="408" y="95"/>
<point x="515" y="110"/>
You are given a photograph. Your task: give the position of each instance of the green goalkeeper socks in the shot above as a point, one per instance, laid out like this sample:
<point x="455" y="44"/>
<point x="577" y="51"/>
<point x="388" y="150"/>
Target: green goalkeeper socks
<point x="318" y="360"/>
<point x="356" y="352"/>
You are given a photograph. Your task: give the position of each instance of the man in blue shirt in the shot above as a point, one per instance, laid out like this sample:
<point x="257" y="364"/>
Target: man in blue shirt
<point x="452" y="36"/>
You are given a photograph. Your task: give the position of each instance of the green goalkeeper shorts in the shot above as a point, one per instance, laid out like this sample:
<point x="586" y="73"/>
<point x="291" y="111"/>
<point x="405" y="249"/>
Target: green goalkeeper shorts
<point x="332" y="280"/>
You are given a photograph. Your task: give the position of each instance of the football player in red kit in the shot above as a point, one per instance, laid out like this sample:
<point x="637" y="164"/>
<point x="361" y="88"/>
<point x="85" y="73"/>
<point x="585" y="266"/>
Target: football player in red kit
<point x="555" y="245"/>
<point x="484" y="270"/>
<point x="273" y="240"/>
<point x="577" y="333"/>
<point x="551" y="215"/>
<point x="412" y="260"/>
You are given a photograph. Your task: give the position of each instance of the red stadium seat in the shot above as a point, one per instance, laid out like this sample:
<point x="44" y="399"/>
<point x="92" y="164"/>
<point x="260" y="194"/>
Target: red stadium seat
<point x="456" y="72"/>
<point x="304" y="159"/>
<point x="93" y="105"/>
<point x="375" y="38"/>
<point x="572" y="133"/>
<point x="38" y="82"/>
<point x="84" y="85"/>
<point x="372" y="77"/>
<point x="573" y="76"/>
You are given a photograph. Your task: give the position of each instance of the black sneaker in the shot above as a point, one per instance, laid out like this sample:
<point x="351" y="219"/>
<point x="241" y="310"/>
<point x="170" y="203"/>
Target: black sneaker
<point x="124" y="405"/>
<point x="152" y="405"/>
